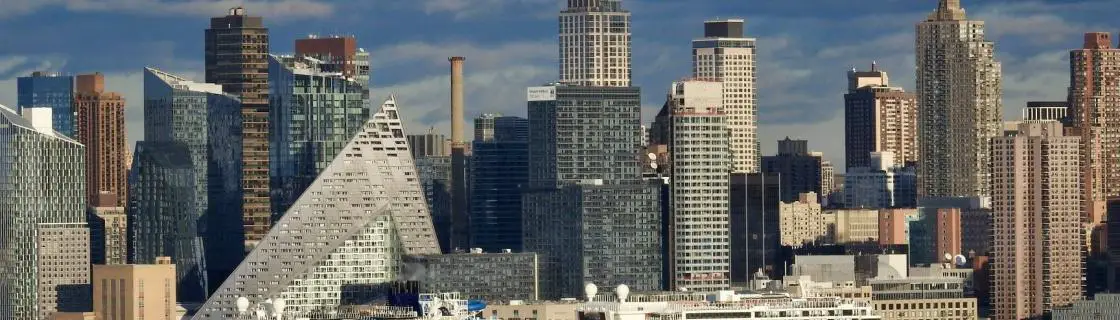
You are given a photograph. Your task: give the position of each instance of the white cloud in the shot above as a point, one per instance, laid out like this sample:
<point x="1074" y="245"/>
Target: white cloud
<point x="470" y="9"/>
<point x="274" y="9"/>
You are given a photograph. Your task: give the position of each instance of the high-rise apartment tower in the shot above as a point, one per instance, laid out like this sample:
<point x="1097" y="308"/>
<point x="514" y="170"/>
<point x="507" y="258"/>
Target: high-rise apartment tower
<point x="1095" y="110"/>
<point x="700" y="163"/>
<point x="237" y="59"/>
<point x="100" y="127"/>
<point x="1037" y="263"/>
<point x="595" y="43"/>
<point x="959" y="105"/>
<point x="724" y="54"/>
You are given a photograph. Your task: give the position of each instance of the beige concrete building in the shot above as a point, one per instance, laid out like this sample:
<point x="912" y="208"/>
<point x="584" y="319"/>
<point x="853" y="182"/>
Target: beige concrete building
<point x="852" y="225"/>
<point x="802" y="221"/>
<point x="135" y="291"/>
<point x="921" y="298"/>
<point x="726" y="55"/>
<point x="1036" y="264"/>
<point x="1094" y="108"/>
<point x="545" y="310"/>
<point x="878" y="118"/>
<point x="959" y="104"/>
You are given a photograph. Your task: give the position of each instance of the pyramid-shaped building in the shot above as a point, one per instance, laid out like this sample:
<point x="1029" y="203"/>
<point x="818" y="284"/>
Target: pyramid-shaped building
<point x="348" y="230"/>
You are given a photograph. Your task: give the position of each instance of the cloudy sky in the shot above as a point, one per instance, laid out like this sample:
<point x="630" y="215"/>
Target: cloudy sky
<point x="805" y="48"/>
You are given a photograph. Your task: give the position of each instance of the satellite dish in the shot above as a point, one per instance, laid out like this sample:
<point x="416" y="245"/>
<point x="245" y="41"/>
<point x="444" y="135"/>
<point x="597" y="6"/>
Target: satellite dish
<point x="948" y="257"/>
<point x="960" y="260"/>
<point x="653" y="165"/>
<point x="652" y="156"/>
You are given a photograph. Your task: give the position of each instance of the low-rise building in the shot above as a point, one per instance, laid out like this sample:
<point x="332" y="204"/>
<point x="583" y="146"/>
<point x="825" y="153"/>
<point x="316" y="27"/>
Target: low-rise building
<point x="491" y="277"/>
<point x="135" y="291"/>
<point x="547" y="310"/>
<point x="922" y="298"/>
<point x="1105" y="306"/>
<point x="802" y="221"/>
<point x="852" y="225"/>
<point x="726" y="305"/>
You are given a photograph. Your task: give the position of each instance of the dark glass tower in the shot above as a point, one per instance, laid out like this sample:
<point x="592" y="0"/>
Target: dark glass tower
<point x="499" y="169"/>
<point x="43" y="89"/>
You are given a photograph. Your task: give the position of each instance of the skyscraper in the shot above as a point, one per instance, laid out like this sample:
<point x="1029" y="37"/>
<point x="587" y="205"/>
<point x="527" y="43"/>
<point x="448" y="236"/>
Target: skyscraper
<point x="314" y="112"/>
<point x="100" y="127"/>
<point x="595" y="43"/>
<point x="878" y="118"/>
<point x="237" y="59"/>
<point x="206" y="121"/>
<point x="164" y="214"/>
<point x="1036" y="262"/>
<point x="959" y="104"/>
<point x="799" y="170"/>
<point x="499" y="169"/>
<point x="1094" y="103"/>
<point x="726" y="55"/>
<point x="44" y="258"/>
<point x="588" y="212"/>
<point x="700" y="162"/>
<point x="51" y="90"/>
<point x="368" y="207"/>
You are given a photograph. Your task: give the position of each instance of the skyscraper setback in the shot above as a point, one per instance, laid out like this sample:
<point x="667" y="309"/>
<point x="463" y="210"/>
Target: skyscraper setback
<point x="1094" y="107"/>
<point x="595" y="43"/>
<point x="725" y="55"/>
<point x="237" y="59"/>
<point x="959" y="106"/>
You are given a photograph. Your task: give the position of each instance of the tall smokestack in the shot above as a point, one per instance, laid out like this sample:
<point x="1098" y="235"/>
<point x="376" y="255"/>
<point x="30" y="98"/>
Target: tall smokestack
<point x="457" y="99"/>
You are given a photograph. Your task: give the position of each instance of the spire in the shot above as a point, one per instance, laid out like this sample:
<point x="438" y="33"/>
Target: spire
<point x="947" y="10"/>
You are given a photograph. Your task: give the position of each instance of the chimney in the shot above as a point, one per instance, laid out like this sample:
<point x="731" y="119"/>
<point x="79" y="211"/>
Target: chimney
<point x="457" y="100"/>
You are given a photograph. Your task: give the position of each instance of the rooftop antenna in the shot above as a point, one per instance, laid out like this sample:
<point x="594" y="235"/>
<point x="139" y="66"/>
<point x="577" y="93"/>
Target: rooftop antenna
<point x="874" y="65"/>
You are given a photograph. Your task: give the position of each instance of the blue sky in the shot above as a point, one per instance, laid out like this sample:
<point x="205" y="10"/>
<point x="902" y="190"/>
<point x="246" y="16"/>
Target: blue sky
<point x="805" y="48"/>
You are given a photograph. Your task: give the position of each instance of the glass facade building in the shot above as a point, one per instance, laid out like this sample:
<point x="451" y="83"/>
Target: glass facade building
<point x="51" y="90"/>
<point x="314" y="112"/>
<point x="587" y="211"/>
<point x="44" y="239"/>
<point x="163" y="214"/>
<point x="499" y="169"/>
<point x="178" y="111"/>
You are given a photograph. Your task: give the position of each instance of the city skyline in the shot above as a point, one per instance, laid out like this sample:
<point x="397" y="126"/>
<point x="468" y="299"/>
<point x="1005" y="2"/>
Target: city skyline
<point x="793" y="60"/>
